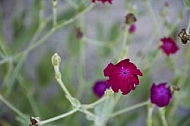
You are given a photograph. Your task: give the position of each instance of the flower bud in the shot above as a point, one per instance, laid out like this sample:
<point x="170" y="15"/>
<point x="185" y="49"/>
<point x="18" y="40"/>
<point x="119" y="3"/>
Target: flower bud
<point x="55" y="59"/>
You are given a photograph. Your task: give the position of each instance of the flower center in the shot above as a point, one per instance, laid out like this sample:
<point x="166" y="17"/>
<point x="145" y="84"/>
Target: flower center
<point x="124" y="71"/>
<point x="168" y="45"/>
<point x="162" y="91"/>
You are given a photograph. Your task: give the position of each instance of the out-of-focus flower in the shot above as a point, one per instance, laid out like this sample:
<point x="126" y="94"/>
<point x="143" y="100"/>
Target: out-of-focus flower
<point x="123" y="76"/>
<point x="184" y="36"/>
<point x="169" y="46"/>
<point x="130" y="18"/>
<point x="132" y="28"/>
<point x="103" y="1"/>
<point x="99" y="88"/>
<point x="160" y="95"/>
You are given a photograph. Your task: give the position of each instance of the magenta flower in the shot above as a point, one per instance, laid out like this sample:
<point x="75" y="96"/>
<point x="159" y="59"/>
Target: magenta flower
<point x="99" y="88"/>
<point x="132" y="28"/>
<point x="123" y="76"/>
<point x="103" y="1"/>
<point x="169" y="46"/>
<point x="160" y="95"/>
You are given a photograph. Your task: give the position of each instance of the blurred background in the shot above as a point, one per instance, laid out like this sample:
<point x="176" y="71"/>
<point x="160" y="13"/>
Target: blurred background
<point x="27" y="80"/>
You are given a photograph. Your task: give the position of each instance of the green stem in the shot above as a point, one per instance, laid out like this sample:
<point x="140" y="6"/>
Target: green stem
<point x="116" y="98"/>
<point x="153" y="59"/>
<point x="129" y="108"/>
<point x="143" y="52"/>
<point x="15" y="73"/>
<point x="33" y="105"/>
<point x="41" y="11"/>
<point x="180" y="85"/>
<point x="3" y="47"/>
<point x="54" y="9"/>
<point x="175" y="24"/>
<point x="55" y="62"/>
<point x="8" y="59"/>
<point x="31" y="100"/>
<point x="81" y="69"/>
<point x="188" y="27"/>
<point x="88" y="113"/>
<point x="162" y="115"/>
<point x="81" y="65"/>
<point x="126" y="33"/>
<point x="72" y="3"/>
<point x="42" y="40"/>
<point x="152" y="15"/>
<point x="94" y="42"/>
<point x="94" y="103"/>
<point x="150" y="110"/>
<point x="58" y="117"/>
<point x="13" y="108"/>
<point x="37" y="33"/>
<point x="16" y="56"/>
<point x="124" y="48"/>
<point x="63" y="87"/>
<point x="63" y="23"/>
<point x="8" y="73"/>
<point x="100" y="43"/>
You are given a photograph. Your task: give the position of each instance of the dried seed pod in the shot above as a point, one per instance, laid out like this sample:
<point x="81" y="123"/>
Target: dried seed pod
<point x="174" y="88"/>
<point x="130" y="18"/>
<point x="34" y="121"/>
<point x="184" y="36"/>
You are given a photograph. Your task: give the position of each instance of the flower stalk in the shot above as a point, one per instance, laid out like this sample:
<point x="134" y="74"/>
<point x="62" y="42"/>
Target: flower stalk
<point x="56" y="59"/>
<point x="162" y="115"/>
<point x="129" y="108"/>
<point x="23" y="116"/>
<point x="58" y="117"/>
<point x="150" y="107"/>
<point x="152" y="15"/>
<point x="54" y="8"/>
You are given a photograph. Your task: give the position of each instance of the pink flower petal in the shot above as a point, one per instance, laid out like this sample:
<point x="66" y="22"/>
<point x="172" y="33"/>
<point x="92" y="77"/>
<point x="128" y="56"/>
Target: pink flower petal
<point x="123" y="76"/>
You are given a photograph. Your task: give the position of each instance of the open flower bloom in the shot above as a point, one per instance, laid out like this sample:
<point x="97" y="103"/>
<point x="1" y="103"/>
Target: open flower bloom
<point x="123" y="76"/>
<point x="99" y="88"/>
<point x="169" y="46"/>
<point x="160" y="95"/>
<point x="103" y="1"/>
